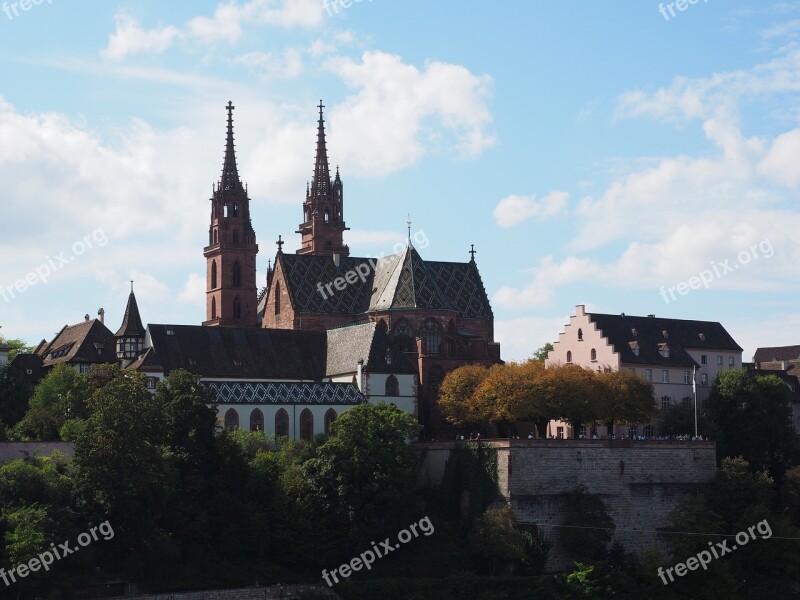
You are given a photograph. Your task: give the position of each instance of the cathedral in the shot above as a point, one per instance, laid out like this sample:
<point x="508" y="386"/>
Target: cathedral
<point x="328" y="331"/>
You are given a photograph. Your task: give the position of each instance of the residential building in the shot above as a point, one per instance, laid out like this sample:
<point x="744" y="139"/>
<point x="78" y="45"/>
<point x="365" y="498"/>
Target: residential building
<point x="784" y="363"/>
<point x="670" y="353"/>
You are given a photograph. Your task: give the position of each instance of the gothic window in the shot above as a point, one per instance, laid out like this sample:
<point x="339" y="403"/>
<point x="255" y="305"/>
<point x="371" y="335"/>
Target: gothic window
<point x="327" y="215"/>
<point x="256" y="420"/>
<point x="392" y="386"/>
<point x="237" y="308"/>
<point x="306" y="425"/>
<point x="282" y="423"/>
<point x="594" y="354"/>
<point x="231" y="420"/>
<point x="404" y="335"/>
<point x="278" y="298"/>
<point x="435" y="377"/>
<point x="580" y="334"/>
<point x="330" y="417"/>
<point x="213" y="274"/>
<point x="237" y="274"/>
<point x="235" y="236"/>
<point x="431" y="337"/>
<point x="569" y="356"/>
<point x="235" y="209"/>
<point x="213" y="308"/>
<point x="216" y="236"/>
<point x="305" y="215"/>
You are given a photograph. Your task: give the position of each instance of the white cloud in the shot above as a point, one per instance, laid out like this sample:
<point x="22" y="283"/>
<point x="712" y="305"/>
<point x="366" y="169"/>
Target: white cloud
<point x="130" y="38"/>
<point x="270" y="65"/>
<point x="400" y="111"/>
<point x="513" y="210"/>
<point x="520" y="338"/>
<point x="782" y="161"/>
<point x="194" y="290"/>
<point x="225" y="25"/>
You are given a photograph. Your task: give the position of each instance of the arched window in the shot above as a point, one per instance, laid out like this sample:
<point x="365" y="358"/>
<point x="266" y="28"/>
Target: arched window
<point x="435" y="377"/>
<point x="213" y="274"/>
<point x="327" y="216"/>
<point x="213" y="308"/>
<point x="431" y="337"/>
<point x="237" y="274"/>
<point x="594" y="354"/>
<point x="231" y="420"/>
<point x="216" y="236"/>
<point x="237" y="308"/>
<point x="404" y="335"/>
<point x="256" y="420"/>
<point x="235" y="236"/>
<point x="235" y="209"/>
<point x="392" y="386"/>
<point x="282" y="423"/>
<point x="569" y="356"/>
<point x="580" y="334"/>
<point x="330" y="417"/>
<point x="306" y="425"/>
<point x="278" y="298"/>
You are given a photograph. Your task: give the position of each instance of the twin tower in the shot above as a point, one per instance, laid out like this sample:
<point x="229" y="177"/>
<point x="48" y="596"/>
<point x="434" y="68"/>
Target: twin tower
<point x="231" y="291"/>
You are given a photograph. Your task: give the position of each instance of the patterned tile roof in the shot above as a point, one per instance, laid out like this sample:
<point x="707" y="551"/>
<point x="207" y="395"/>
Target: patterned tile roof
<point x="402" y="280"/>
<point x="368" y="342"/>
<point x="270" y="392"/>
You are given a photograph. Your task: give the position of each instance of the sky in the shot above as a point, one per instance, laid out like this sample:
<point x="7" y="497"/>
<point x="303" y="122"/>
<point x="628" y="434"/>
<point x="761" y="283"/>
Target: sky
<point x="629" y="156"/>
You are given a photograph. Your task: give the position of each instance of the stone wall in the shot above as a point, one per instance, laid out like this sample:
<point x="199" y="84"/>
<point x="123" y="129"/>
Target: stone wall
<point x="639" y="482"/>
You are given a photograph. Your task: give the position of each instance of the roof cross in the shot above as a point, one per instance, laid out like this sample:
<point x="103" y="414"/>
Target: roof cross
<point x="280" y="244"/>
<point x="472" y="252"/>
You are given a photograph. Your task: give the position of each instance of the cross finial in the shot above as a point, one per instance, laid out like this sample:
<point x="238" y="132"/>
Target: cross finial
<point x="408" y="222"/>
<point x="472" y="252"/>
<point x="280" y="244"/>
<point x="320" y="107"/>
<point x="230" y="108"/>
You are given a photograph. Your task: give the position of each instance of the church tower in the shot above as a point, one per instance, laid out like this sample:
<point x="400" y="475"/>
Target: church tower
<point x="231" y="295"/>
<point x="130" y="336"/>
<point x="323" y="225"/>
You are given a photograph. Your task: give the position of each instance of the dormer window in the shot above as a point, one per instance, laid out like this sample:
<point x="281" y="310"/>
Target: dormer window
<point x="634" y="333"/>
<point x="665" y="334"/>
<point x="663" y="350"/>
<point x="634" y="348"/>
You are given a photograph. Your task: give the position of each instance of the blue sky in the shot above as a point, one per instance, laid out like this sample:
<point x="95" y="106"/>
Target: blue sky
<point x="594" y="153"/>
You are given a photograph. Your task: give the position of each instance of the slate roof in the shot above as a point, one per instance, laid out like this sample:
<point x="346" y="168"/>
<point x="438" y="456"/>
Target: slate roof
<point x="649" y="335"/>
<point x="368" y="342"/>
<point x="400" y="281"/>
<point x="131" y="322"/>
<point x="88" y="342"/>
<point x="271" y="392"/>
<point x="776" y="353"/>
<point x="239" y="353"/>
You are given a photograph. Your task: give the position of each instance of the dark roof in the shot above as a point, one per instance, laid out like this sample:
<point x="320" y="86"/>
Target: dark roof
<point x="368" y="342"/>
<point x="132" y="322"/>
<point x="271" y="392"/>
<point x="147" y="361"/>
<point x="776" y="353"/>
<point x="234" y="353"/>
<point x="24" y="362"/>
<point x="400" y="281"/>
<point x="625" y="331"/>
<point x="88" y="342"/>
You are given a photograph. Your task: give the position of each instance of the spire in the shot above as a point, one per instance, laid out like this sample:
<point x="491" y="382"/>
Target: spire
<point x="132" y="322"/>
<point x="322" y="176"/>
<point x="230" y="173"/>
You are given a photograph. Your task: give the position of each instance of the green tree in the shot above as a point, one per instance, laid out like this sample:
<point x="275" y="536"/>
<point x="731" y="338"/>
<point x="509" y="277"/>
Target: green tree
<point x="496" y="538"/>
<point x="14" y="397"/>
<point x="457" y="396"/>
<point x="752" y="419"/>
<point x="575" y="394"/>
<point x="628" y="398"/>
<point x="540" y="354"/>
<point x="60" y="396"/>
<point x="363" y="478"/>
<point x="17" y="346"/>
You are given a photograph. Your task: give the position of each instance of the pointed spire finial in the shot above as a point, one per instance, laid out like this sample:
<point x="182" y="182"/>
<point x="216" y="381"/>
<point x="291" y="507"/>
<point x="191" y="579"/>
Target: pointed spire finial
<point x="408" y="222"/>
<point x="472" y="252"/>
<point x="280" y="244"/>
<point x="131" y="286"/>
<point x="321" y="182"/>
<point x="230" y="172"/>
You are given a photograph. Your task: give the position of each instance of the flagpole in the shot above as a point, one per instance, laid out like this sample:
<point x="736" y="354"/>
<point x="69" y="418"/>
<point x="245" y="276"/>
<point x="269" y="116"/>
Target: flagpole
<point x="694" y="391"/>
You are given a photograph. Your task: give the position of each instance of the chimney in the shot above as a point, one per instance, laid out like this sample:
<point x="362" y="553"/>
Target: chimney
<point x="102" y="314"/>
<point x="358" y="376"/>
<point x="86" y="317"/>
